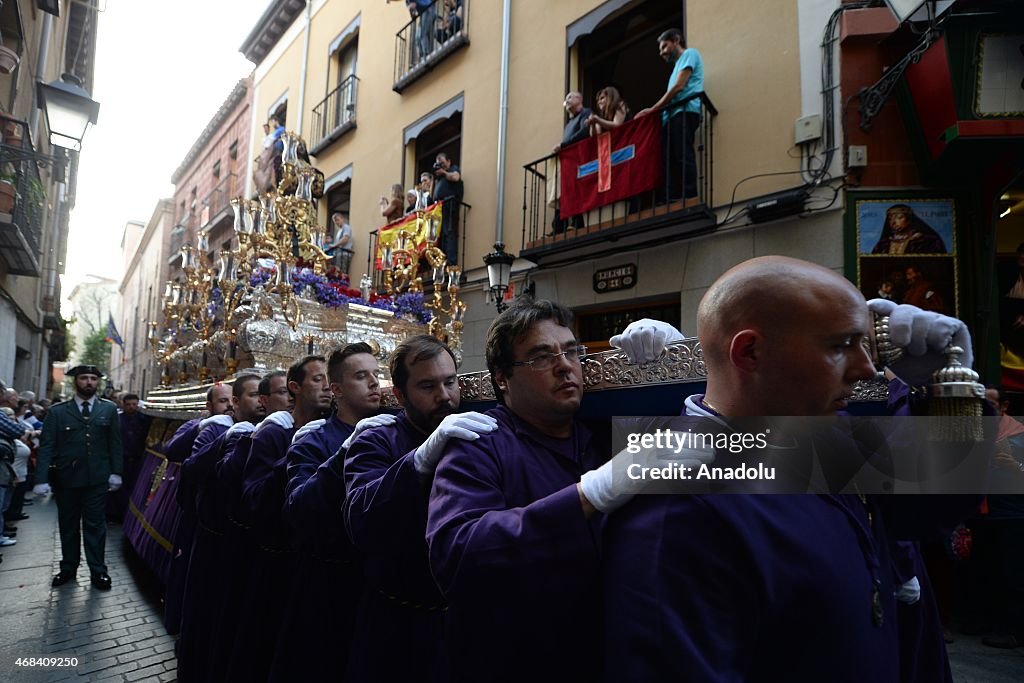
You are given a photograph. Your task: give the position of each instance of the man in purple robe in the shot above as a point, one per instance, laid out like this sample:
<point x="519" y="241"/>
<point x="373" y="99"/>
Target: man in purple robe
<point x="178" y="448"/>
<point x="514" y="544"/>
<point x="196" y="492"/>
<point x="134" y="429"/>
<point x="263" y="484"/>
<point x="734" y="587"/>
<point x="327" y="581"/>
<point x="388" y="472"/>
<point x="239" y="548"/>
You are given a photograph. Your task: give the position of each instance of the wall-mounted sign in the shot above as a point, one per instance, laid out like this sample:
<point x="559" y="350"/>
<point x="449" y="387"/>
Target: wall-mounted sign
<point x="614" y="279"/>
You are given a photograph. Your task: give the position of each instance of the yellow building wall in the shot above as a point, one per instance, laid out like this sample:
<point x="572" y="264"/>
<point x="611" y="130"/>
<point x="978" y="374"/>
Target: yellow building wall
<point x="752" y="74"/>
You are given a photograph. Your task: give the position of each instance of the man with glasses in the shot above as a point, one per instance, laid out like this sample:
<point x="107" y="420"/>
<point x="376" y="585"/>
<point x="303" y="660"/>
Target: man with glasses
<point x="514" y="543"/>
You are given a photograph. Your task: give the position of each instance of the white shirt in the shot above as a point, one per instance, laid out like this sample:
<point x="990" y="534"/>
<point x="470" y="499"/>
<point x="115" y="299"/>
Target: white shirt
<point x="79" y="401"/>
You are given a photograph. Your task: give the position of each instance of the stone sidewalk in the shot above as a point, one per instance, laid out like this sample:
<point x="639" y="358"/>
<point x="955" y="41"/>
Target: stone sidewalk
<point x="115" y="636"/>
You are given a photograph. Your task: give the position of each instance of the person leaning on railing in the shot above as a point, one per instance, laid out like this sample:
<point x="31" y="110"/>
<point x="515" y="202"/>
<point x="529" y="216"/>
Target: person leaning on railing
<point x="682" y="118"/>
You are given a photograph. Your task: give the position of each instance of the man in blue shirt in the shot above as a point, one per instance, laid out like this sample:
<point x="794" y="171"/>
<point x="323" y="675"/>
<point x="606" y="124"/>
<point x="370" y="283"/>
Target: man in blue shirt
<point x="682" y="114"/>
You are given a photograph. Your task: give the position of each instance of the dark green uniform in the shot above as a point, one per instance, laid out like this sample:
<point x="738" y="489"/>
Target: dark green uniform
<point x="86" y="452"/>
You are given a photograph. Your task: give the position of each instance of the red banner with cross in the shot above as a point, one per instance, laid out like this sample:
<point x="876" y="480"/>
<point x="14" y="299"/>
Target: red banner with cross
<point x="611" y="167"/>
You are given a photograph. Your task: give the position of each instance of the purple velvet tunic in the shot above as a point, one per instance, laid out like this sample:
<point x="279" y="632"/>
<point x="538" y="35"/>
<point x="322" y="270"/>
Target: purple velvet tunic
<point x="259" y="620"/>
<point x="196" y="479"/>
<point x="515" y="556"/>
<point x="762" y="587"/>
<point x="177" y="450"/>
<point x="327" y="581"/>
<point x="386" y="516"/>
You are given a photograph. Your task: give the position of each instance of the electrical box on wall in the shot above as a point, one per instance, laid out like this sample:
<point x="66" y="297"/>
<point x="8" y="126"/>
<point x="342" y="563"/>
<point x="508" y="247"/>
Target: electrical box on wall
<point x="807" y="129"/>
<point x="858" y="156"/>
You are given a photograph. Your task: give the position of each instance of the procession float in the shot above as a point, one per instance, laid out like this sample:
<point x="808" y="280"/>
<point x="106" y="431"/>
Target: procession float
<point x="275" y="298"/>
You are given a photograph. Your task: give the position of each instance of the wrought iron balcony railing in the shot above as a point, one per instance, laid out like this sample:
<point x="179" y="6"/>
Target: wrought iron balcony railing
<point x="546" y="231"/>
<point x="458" y="211"/>
<point x="335" y="115"/>
<point x="22" y="201"/>
<point x="217" y="203"/>
<point x="439" y="30"/>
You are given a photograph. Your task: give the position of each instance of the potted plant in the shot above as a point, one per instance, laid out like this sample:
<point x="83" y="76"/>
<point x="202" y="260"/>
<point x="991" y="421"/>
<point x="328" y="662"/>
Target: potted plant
<point x="8" y="178"/>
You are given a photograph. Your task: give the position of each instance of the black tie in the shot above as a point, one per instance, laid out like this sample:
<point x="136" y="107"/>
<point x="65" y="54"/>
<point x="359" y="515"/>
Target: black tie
<point x="85" y="410"/>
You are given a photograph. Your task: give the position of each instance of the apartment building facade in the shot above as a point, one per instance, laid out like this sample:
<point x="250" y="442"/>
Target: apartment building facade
<point x="144" y="249"/>
<point x="376" y="94"/>
<point x="40" y="42"/>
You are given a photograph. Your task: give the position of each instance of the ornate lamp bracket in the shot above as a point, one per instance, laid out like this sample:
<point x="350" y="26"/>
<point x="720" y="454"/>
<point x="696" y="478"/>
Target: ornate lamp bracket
<point x="874" y="97"/>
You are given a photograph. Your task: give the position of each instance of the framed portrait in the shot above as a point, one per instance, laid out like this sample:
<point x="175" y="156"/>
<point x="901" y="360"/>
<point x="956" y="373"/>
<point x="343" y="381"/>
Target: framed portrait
<point x="900" y="227"/>
<point x="928" y="282"/>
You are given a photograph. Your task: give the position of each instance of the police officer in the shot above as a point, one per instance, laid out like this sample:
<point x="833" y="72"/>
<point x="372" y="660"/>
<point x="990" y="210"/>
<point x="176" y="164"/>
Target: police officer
<point x="82" y="440"/>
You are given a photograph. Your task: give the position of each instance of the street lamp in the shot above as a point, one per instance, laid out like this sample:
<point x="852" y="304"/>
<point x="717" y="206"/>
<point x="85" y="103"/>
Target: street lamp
<point x="69" y="110"/>
<point x="499" y="272"/>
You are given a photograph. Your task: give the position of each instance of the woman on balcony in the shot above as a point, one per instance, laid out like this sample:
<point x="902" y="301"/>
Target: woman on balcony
<point x="391" y="208"/>
<point x="611" y="111"/>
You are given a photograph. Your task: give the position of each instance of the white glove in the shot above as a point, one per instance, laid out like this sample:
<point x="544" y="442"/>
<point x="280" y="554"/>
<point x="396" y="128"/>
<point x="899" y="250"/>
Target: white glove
<point x="114" y="482"/>
<point x="468" y="426"/>
<point x="366" y="423"/>
<point x="42" y="489"/>
<point x="224" y="420"/>
<point x="310" y="426"/>
<point x="241" y="428"/>
<point x="644" y="340"/>
<point x="910" y="592"/>
<point x="610" y="486"/>
<point x="281" y="418"/>
<point x="924" y="335"/>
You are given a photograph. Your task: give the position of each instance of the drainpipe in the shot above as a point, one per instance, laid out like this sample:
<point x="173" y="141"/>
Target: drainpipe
<point x="44" y="54"/>
<point x="506" y="27"/>
<point x="305" y="67"/>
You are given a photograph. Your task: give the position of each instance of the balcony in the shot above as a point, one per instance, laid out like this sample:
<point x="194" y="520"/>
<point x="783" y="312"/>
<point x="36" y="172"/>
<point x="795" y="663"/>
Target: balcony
<point x="22" y="202"/>
<point x="217" y="204"/>
<point x="428" y="39"/>
<point x="651" y="217"/>
<point x="335" y="116"/>
<point x="462" y="215"/>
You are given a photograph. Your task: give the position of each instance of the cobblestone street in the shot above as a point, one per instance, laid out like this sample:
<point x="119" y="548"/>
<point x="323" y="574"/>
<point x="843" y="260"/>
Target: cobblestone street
<point x="115" y="636"/>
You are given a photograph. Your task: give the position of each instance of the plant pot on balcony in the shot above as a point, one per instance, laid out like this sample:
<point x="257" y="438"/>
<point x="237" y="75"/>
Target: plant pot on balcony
<point x="8" y="60"/>
<point x="12" y="131"/>
<point x="7" y="194"/>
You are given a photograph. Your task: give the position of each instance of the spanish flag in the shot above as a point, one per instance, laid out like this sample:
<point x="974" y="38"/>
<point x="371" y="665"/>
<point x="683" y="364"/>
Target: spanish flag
<point x="417" y="224"/>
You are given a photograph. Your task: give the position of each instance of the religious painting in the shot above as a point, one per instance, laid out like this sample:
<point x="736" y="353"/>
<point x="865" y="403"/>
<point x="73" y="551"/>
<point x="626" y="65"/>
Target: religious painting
<point x="928" y="282"/>
<point x="898" y="227"/>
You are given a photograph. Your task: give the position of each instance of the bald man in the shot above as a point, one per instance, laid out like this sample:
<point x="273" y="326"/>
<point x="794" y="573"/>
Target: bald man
<point x="764" y="587"/>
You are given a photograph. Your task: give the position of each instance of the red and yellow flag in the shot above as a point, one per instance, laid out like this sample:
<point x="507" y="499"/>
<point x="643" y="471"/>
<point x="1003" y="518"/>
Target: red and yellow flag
<point x="416" y="223"/>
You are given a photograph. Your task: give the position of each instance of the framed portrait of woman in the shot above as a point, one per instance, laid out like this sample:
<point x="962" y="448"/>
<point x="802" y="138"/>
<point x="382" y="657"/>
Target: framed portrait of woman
<point x="899" y="227"/>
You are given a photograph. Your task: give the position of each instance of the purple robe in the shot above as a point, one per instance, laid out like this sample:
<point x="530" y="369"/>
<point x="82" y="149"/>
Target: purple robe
<point x="516" y="558"/>
<point x="178" y="448"/>
<point x="386" y="516"/>
<point x="134" y="430"/>
<point x="235" y="562"/>
<point x="734" y="587"/>
<point x="259" y="619"/>
<point x="196" y="478"/>
<point x="327" y="581"/>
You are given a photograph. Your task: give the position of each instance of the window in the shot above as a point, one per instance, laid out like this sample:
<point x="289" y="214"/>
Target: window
<point x="444" y="136"/>
<point x="437" y="31"/>
<point x="336" y="114"/>
<point x="216" y="169"/>
<point x="233" y="150"/>
<point x="620" y="50"/>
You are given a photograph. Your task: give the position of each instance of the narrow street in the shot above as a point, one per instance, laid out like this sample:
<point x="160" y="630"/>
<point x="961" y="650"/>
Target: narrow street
<point x="115" y="636"/>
